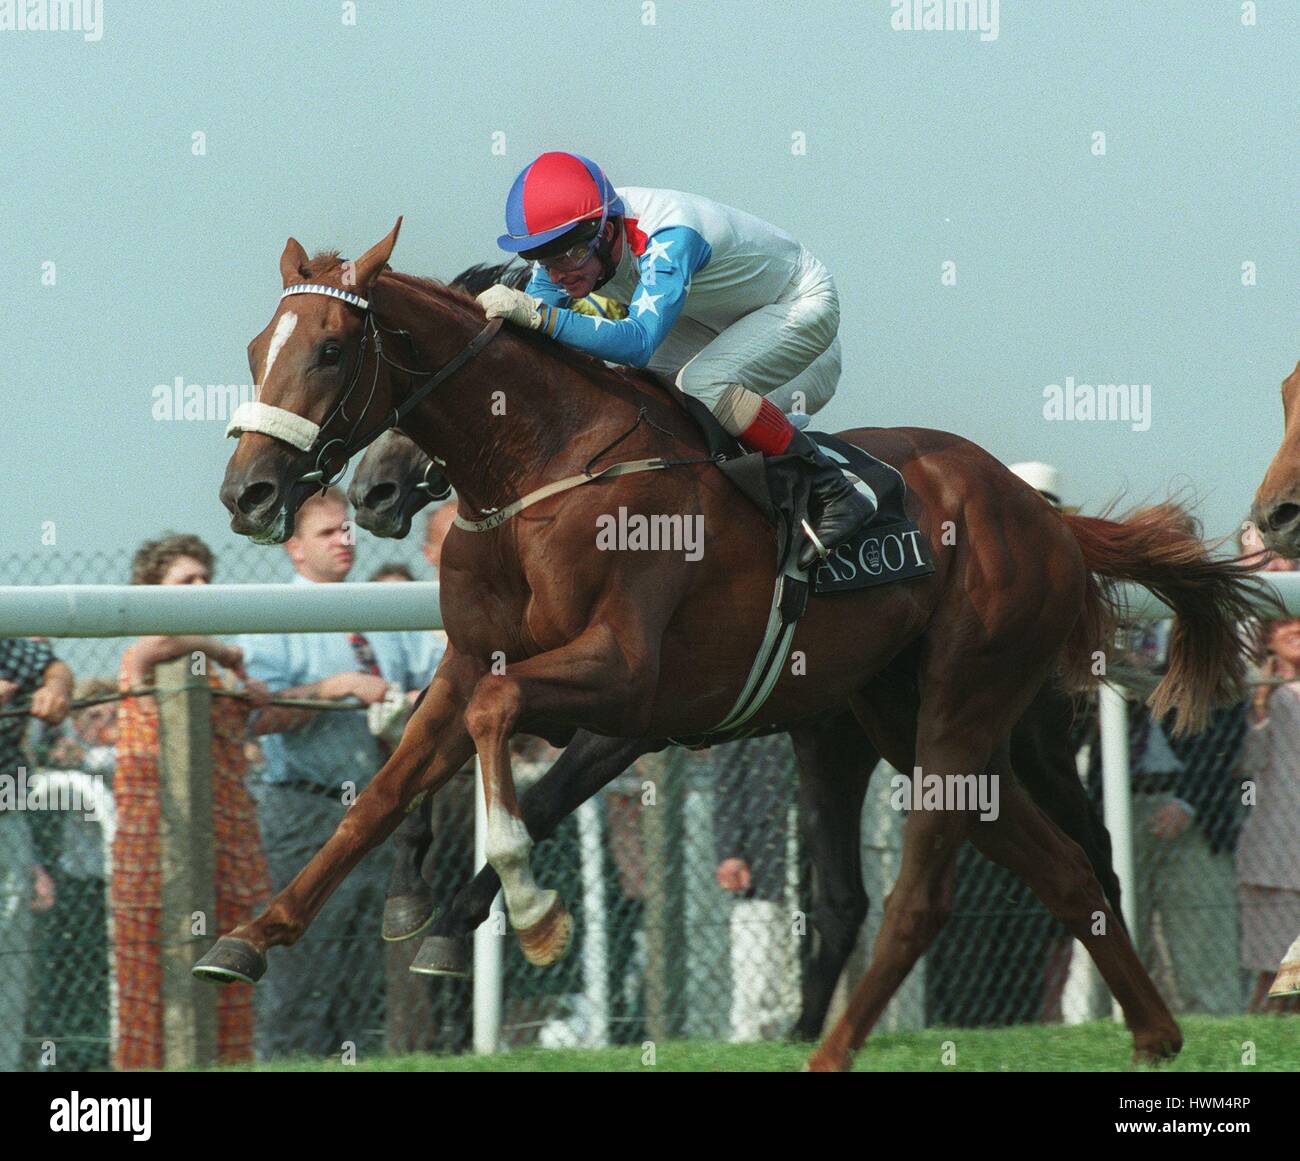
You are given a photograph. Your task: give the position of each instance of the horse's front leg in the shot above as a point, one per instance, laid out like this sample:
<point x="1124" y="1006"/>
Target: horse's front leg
<point x="434" y="746"/>
<point x="590" y="676"/>
<point x="589" y="762"/>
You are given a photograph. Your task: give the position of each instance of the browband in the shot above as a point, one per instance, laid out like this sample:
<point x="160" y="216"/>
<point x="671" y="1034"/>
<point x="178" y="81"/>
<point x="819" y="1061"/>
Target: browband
<point x="329" y="292"/>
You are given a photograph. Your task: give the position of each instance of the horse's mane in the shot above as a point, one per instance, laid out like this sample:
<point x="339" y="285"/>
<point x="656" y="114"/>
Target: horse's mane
<point x="458" y="295"/>
<point x="477" y="278"/>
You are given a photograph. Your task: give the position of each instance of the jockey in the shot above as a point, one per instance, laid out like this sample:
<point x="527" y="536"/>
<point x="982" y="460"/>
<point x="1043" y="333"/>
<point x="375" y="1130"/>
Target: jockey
<point x="735" y="311"/>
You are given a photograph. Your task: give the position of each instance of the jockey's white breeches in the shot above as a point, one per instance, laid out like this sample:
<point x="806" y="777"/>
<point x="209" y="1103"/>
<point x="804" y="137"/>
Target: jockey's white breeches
<point x="788" y="351"/>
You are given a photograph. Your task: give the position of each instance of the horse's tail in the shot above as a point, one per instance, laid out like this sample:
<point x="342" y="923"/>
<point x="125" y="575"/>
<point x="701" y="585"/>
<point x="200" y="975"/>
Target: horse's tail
<point x="1213" y="600"/>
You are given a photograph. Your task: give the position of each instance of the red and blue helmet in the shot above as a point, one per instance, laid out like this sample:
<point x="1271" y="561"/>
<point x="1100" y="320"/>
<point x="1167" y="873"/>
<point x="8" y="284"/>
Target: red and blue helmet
<point x="552" y="196"/>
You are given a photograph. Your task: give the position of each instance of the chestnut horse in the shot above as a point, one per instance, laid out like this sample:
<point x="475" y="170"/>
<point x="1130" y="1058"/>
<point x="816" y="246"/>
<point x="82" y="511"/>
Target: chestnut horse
<point x="390" y="485"/>
<point x="547" y="633"/>
<point x="835" y="760"/>
<point x="1276" y="513"/>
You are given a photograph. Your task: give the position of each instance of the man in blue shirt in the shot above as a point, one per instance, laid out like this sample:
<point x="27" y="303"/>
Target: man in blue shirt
<point x="327" y="989"/>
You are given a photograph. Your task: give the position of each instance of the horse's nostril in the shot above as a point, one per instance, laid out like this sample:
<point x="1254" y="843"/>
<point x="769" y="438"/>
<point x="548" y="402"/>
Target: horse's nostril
<point x="380" y="495"/>
<point x="1282" y="516"/>
<point x="254" y="496"/>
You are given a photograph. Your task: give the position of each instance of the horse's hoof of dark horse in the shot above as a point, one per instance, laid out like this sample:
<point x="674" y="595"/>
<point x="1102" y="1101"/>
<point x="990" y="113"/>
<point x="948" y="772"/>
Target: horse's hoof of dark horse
<point x="405" y="916"/>
<point x="442" y="955"/>
<point x="825" y="1061"/>
<point x="231" y="961"/>
<point x="1158" y="1048"/>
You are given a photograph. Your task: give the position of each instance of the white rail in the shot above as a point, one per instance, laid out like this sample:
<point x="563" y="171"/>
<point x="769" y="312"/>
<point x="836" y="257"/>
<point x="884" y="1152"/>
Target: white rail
<point x="172" y="610"/>
<point x="131" y="610"/>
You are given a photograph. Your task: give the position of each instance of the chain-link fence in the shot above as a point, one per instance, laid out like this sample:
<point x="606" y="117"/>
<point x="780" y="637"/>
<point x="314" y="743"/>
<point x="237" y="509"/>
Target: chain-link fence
<point x="695" y="908"/>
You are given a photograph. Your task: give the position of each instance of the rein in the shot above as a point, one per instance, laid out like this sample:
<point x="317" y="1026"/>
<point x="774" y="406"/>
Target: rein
<point x="308" y="437"/>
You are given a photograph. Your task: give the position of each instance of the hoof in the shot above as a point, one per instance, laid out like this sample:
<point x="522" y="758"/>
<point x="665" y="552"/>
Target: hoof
<point x="1288" y="980"/>
<point x="822" y="1061"/>
<point x="405" y="916"/>
<point x="548" y="939"/>
<point x="442" y="955"/>
<point x="1156" y="1048"/>
<point x="231" y="961"/>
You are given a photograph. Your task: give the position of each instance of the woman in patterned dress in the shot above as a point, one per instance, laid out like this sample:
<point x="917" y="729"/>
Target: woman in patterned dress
<point x="242" y="882"/>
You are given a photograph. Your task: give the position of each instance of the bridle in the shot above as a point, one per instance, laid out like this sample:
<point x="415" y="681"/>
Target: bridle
<point x="310" y="438"/>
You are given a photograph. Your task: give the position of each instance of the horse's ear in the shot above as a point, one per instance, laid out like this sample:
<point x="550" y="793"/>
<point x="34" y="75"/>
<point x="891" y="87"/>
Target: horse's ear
<point x="376" y="258"/>
<point x="293" y="262"/>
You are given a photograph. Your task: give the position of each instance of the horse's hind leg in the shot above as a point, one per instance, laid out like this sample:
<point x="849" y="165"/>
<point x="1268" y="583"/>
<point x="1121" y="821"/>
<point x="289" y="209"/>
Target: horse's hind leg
<point x="953" y="732"/>
<point x="1026" y="841"/>
<point x="1044" y="762"/>
<point x="835" y="764"/>
<point x="915" y="910"/>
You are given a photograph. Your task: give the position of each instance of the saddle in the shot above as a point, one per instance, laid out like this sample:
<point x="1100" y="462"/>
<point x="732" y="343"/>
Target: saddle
<point x="889" y="547"/>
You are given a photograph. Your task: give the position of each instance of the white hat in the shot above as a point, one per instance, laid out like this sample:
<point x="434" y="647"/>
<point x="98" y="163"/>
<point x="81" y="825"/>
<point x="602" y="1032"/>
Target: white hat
<point x="1044" y="477"/>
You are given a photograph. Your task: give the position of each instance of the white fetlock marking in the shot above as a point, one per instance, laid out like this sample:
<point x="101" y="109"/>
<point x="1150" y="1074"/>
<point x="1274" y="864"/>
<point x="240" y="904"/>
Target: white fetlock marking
<point x="509" y="850"/>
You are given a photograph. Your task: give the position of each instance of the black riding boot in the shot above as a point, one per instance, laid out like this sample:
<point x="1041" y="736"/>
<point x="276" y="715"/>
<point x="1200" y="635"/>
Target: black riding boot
<point x="839" y="508"/>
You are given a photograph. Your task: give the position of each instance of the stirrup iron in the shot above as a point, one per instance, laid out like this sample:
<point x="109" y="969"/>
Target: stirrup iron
<point x="822" y="551"/>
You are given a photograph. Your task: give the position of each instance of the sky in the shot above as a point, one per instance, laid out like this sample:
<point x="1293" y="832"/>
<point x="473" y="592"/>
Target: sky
<point x="133" y="252"/>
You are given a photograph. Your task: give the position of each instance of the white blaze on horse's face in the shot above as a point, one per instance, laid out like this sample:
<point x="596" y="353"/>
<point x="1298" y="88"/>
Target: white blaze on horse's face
<point x="283" y="329"/>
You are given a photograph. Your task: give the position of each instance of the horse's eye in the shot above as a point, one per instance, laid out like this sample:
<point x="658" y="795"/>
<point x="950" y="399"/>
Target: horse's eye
<point x="331" y="353"/>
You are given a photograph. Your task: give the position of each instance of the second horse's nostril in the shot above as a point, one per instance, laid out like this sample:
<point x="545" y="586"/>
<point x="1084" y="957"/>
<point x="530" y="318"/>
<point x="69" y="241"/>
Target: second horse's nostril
<point x="380" y="495"/>
<point x="1282" y="516"/>
<point x="254" y="496"/>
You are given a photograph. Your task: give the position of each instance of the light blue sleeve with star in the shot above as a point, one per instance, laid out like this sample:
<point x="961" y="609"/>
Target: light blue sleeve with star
<point x="672" y="257"/>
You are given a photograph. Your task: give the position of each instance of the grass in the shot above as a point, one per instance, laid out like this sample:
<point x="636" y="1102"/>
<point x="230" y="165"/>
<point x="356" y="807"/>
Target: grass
<point x="1211" y="1045"/>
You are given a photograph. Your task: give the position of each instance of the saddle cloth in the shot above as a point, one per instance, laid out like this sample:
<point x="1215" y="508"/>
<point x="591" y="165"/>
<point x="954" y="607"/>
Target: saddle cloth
<point x="889" y="547"/>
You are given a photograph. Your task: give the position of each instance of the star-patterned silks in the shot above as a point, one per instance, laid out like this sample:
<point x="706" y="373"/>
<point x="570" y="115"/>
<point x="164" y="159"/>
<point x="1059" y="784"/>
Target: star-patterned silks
<point x="656" y="250"/>
<point x="653" y="277"/>
<point x="645" y="302"/>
